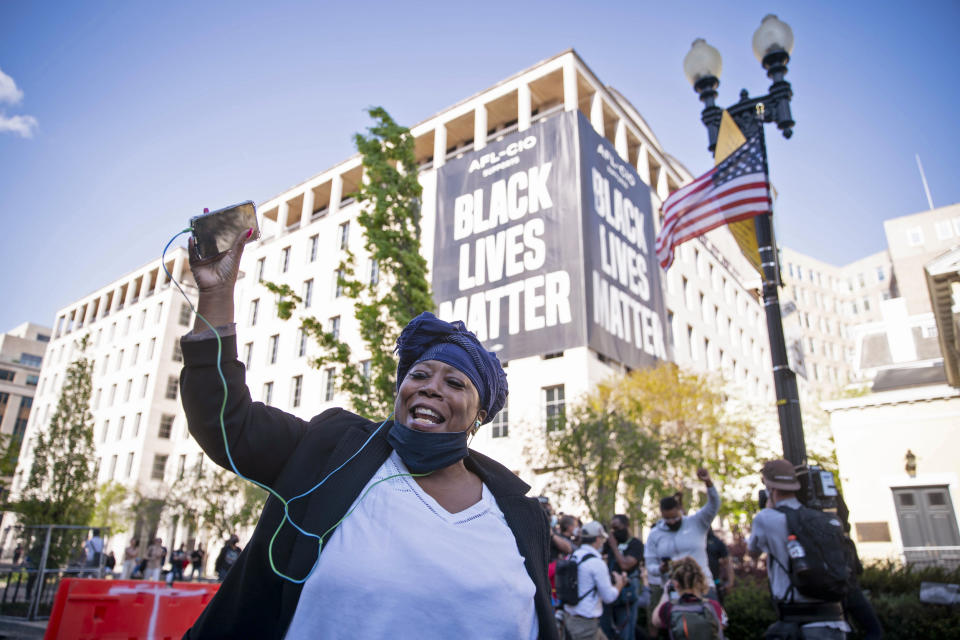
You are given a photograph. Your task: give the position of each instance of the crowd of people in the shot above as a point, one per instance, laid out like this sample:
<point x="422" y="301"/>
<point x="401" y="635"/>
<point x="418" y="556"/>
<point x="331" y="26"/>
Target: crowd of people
<point x="155" y="562"/>
<point x="609" y="584"/>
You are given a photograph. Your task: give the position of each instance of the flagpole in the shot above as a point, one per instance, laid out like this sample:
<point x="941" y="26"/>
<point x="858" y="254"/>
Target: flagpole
<point x="784" y="379"/>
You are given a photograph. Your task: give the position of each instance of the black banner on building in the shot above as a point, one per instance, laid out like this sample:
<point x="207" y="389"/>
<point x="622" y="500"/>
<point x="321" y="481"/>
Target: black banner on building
<point x="507" y="257"/>
<point x="626" y="315"/>
<point x="544" y="241"/>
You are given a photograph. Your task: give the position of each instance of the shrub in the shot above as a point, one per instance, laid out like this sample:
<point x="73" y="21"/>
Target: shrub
<point x="749" y="608"/>
<point x="894" y="592"/>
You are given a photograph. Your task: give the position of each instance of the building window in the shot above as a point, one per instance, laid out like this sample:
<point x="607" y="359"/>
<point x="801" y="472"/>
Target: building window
<point x="285" y="259"/>
<point x="261" y="265"/>
<point x="30" y="360"/>
<point x="337" y="286"/>
<point x="156" y="319"/>
<point x="308" y="293"/>
<point x="248" y="354"/>
<point x="329" y="386"/>
<point x="159" y="466"/>
<point x="312" y="253"/>
<point x="866" y="304"/>
<point x="113" y="467"/>
<point x="915" y="237"/>
<point x="126" y="390"/>
<point x="106" y="431"/>
<point x="185" y="314"/>
<point x="6" y="374"/>
<point x="172" y="384"/>
<point x="295" y="390"/>
<point x="136" y="354"/>
<point x="120" y="360"/>
<point x="181" y="466"/>
<point x="153" y="346"/>
<point x="343" y="236"/>
<point x="252" y="316"/>
<point x="374" y="272"/>
<point x="554" y="408"/>
<point x="143" y="385"/>
<point x="500" y="425"/>
<point x="23" y="415"/>
<point x="129" y="463"/>
<point x="365" y="369"/>
<point x="301" y="343"/>
<point x="944" y="230"/>
<point x="123" y="421"/>
<point x="113" y="395"/>
<point x="274" y="347"/>
<point x="335" y="327"/>
<point x="136" y="424"/>
<point x="881" y="274"/>
<point x="166" y="426"/>
<point x="267" y="392"/>
<point x="32" y="380"/>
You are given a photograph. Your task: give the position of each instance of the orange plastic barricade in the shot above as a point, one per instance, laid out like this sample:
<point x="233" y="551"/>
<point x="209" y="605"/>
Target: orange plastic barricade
<point x="87" y="609"/>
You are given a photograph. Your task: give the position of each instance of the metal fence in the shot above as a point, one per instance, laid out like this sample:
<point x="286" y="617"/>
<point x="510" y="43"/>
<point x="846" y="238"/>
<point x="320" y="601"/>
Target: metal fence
<point x="48" y="554"/>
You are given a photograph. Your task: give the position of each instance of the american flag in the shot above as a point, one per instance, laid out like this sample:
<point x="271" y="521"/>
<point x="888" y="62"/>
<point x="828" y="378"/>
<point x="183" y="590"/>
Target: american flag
<point x="735" y="189"/>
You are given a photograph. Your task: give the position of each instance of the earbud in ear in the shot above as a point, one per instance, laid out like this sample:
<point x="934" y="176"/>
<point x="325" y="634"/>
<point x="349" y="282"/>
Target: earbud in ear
<point x="478" y="423"/>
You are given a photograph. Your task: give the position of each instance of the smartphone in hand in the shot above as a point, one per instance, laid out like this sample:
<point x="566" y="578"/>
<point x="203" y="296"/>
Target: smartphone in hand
<point x="216" y="231"/>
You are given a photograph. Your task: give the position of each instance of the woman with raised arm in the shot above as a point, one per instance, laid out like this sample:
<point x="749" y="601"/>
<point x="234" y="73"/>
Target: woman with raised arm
<point x="421" y="537"/>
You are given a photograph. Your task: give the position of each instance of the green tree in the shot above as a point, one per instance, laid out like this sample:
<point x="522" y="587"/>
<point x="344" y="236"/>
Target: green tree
<point x="111" y="509"/>
<point x="61" y="485"/>
<point x="639" y="436"/>
<point x="221" y="499"/>
<point x="397" y="290"/>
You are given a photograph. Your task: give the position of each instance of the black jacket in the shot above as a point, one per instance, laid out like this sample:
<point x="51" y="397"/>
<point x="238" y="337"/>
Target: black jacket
<point x="291" y="455"/>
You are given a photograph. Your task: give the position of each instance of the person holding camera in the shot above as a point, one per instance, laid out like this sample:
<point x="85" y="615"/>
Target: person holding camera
<point x="582" y="619"/>
<point x="800" y="616"/>
<point x="677" y="535"/>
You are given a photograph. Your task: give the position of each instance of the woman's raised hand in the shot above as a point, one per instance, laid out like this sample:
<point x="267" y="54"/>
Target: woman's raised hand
<point x="218" y="273"/>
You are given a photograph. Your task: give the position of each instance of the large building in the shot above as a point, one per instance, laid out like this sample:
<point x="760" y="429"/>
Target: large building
<point x="21" y="357"/>
<point x="133" y="325"/>
<point x="568" y="288"/>
<point x="896" y="440"/>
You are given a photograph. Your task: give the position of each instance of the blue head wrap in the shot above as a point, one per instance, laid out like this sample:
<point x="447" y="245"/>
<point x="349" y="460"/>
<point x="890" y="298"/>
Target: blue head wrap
<point x="427" y="337"/>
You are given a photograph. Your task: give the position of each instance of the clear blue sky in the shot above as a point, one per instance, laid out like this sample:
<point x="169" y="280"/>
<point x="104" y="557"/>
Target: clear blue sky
<point x="147" y="112"/>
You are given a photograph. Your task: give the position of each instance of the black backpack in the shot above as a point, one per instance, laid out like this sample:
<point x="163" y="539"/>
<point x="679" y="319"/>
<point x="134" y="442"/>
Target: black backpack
<point x="567" y="579"/>
<point x="827" y="575"/>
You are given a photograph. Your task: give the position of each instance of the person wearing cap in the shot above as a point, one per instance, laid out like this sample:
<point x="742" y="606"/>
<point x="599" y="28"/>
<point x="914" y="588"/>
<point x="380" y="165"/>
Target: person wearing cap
<point x="420" y="537"/>
<point x="768" y="534"/>
<point x="582" y="620"/>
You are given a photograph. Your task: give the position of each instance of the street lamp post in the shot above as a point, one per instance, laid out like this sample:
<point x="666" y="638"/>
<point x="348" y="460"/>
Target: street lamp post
<point x="772" y="44"/>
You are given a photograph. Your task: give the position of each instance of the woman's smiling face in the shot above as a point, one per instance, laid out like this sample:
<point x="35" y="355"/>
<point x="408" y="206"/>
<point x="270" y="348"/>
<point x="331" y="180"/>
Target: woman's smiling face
<point x="435" y="396"/>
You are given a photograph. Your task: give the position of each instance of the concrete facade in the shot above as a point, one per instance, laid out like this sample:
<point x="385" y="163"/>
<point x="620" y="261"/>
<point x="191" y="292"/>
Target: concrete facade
<point x="22" y="351"/>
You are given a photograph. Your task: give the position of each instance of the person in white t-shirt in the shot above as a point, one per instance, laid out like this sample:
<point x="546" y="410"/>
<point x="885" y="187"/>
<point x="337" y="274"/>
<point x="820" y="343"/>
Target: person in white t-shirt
<point x="460" y="552"/>
<point x="582" y="620"/>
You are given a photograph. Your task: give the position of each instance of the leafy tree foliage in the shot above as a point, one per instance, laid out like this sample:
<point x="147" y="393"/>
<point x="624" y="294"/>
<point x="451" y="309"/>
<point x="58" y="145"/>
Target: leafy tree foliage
<point x="61" y="486"/>
<point x="643" y="435"/>
<point x="111" y="510"/>
<point x="217" y="498"/>
<point x="397" y="289"/>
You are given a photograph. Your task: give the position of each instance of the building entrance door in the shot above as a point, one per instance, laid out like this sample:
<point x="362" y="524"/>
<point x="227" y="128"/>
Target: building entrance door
<point x="928" y="525"/>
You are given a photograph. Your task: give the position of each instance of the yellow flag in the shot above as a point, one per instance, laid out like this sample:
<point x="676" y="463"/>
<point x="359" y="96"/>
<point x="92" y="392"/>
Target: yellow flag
<point x="729" y="139"/>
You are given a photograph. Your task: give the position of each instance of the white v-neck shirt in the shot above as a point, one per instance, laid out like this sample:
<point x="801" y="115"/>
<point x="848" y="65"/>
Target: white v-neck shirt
<point x="401" y="566"/>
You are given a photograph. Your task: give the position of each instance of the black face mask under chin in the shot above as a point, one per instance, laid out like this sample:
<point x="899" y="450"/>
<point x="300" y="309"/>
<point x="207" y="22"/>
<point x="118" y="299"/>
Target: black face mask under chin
<point x="425" y="452"/>
<point x="674" y="526"/>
